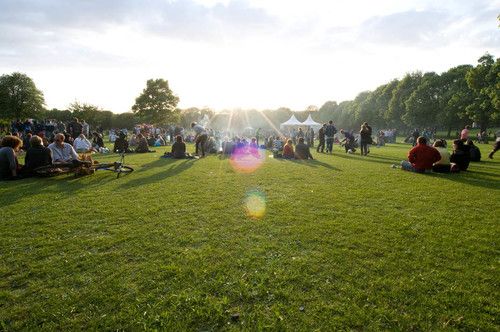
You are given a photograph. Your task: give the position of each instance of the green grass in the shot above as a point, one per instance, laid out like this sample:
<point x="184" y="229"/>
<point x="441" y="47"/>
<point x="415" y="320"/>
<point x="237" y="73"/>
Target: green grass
<point x="346" y="243"/>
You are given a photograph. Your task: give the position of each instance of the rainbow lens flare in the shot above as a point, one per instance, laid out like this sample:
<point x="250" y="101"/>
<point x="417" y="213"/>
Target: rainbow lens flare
<point x="247" y="159"/>
<point x="255" y="204"/>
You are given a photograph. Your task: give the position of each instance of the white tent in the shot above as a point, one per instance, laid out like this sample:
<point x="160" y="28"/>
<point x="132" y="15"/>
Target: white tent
<point x="291" y="122"/>
<point x="311" y="123"/>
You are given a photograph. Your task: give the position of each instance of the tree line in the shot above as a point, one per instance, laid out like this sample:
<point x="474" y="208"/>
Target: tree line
<point x="462" y="95"/>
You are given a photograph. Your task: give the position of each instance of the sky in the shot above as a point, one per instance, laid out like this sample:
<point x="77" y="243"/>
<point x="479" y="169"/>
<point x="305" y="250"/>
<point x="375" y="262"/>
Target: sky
<point x="248" y="54"/>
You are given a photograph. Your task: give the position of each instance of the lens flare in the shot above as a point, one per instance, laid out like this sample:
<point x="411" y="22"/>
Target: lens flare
<point x="255" y="204"/>
<point x="247" y="159"/>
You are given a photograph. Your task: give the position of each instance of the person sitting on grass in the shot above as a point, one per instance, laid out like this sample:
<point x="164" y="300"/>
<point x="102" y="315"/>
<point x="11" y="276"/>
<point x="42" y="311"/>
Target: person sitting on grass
<point x="302" y="150"/>
<point x="421" y="157"/>
<point x="460" y="156"/>
<point x="62" y="152"/>
<point x="121" y="143"/>
<point x="142" y="144"/>
<point x="179" y="148"/>
<point x="443" y="165"/>
<point x="9" y="166"/>
<point x="97" y="142"/>
<point x="475" y="153"/>
<point x="82" y="144"/>
<point x="277" y="147"/>
<point x="288" y="152"/>
<point x="36" y="156"/>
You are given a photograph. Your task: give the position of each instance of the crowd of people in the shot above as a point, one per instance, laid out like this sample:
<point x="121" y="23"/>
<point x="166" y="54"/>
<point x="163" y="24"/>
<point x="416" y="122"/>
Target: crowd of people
<point x="56" y="142"/>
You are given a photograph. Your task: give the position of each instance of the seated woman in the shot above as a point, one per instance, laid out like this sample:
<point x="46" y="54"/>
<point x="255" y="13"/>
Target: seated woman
<point x="460" y="156"/>
<point x="142" y="144"/>
<point x="97" y="141"/>
<point x="159" y="141"/>
<point x="36" y="156"/>
<point x="443" y="165"/>
<point x="9" y="166"/>
<point x="179" y="148"/>
<point x="121" y="144"/>
<point x="288" y="152"/>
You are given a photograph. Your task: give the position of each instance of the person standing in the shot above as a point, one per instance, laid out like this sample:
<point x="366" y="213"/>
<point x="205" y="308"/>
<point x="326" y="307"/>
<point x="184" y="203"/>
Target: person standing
<point x="200" y="138"/>
<point x="330" y="132"/>
<point x="365" y="139"/>
<point x="321" y="137"/>
<point x="464" y="134"/>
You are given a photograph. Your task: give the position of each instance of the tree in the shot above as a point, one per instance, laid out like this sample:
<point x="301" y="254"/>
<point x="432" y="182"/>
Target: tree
<point x="403" y="91"/>
<point x="157" y="103"/>
<point x="425" y="102"/>
<point x="19" y="97"/>
<point x="456" y="97"/>
<point x="484" y="81"/>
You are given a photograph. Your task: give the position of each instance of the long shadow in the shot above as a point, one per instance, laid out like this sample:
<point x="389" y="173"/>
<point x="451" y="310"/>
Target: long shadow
<point x="371" y="159"/>
<point x="471" y="178"/>
<point x="176" y="166"/>
<point x="310" y="163"/>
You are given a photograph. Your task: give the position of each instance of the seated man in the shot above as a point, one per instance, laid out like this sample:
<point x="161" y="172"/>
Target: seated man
<point x="421" y="157"/>
<point x="82" y="144"/>
<point x="36" y="156"/>
<point x="62" y="152"/>
<point x="302" y="150"/>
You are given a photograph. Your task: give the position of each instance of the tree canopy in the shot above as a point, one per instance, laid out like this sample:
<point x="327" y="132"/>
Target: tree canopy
<point x="19" y="97"/>
<point x="157" y="104"/>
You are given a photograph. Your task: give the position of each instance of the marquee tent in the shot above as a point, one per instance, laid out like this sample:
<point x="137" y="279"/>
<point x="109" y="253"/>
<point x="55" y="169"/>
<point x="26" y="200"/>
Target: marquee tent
<point x="291" y="122"/>
<point x="311" y="123"/>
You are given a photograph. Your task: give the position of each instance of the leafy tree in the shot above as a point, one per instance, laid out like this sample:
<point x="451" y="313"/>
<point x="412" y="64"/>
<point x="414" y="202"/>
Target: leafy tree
<point x="124" y="120"/>
<point x="157" y="103"/>
<point x="403" y="91"/>
<point x="424" y="103"/>
<point x="327" y="111"/>
<point x="87" y="112"/>
<point x="484" y="81"/>
<point x="456" y="96"/>
<point x="19" y="97"/>
<point x="194" y="114"/>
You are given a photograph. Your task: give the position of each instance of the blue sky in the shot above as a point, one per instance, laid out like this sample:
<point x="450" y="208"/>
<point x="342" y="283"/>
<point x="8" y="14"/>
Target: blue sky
<point x="261" y="54"/>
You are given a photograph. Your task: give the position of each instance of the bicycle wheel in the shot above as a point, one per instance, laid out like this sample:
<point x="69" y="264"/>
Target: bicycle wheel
<point x="52" y="170"/>
<point x="123" y="170"/>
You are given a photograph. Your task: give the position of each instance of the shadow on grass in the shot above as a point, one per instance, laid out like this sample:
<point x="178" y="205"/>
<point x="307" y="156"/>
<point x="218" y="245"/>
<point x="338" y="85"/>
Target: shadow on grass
<point x="310" y="163"/>
<point x="472" y="178"/>
<point x="370" y="158"/>
<point x="174" y="166"/>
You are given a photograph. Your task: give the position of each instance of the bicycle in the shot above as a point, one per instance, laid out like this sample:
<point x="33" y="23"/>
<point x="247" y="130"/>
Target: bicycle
<point x="84" y="167"/>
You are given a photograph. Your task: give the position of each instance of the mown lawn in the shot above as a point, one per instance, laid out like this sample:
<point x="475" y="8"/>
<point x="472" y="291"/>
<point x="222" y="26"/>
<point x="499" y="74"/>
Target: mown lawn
<point x="345" y="242"/>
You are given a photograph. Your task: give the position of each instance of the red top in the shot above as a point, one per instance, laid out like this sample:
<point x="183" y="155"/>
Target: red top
<point x="422" y="157"/>
<point x="288" y="151"/>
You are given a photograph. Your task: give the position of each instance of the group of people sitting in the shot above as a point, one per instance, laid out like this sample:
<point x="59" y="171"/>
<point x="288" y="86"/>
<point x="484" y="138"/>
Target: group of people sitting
<point x="424" y="158"/>
<point x="37" y="155"/>
<point x="301" y="150"/>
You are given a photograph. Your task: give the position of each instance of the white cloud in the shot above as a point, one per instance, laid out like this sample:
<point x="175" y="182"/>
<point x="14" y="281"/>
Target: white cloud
<point x="225" y="54"/>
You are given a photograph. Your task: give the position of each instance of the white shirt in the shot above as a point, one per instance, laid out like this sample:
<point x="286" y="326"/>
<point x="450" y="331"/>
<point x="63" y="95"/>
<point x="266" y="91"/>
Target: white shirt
<point x="63" y="154"/>
<point x="82" y="144"/>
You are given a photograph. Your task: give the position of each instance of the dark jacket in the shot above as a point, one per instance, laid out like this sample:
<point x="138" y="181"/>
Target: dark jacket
<point x="302" y="151"/>
<point x="36" y="156"/>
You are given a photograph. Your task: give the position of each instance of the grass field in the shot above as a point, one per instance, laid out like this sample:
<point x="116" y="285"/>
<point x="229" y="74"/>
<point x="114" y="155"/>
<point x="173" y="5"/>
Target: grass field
<point x="342" y="242"/>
